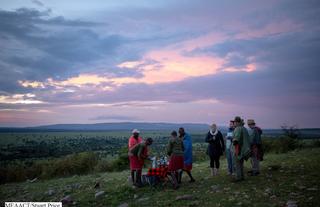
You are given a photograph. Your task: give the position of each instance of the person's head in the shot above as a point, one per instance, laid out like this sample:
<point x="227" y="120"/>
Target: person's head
<point x="135" y="133"/>
<point x="174" y="134"/>
<point x="181" y="132"/>
<point x="237" y="121"/>
<point x="149" y="141"/>
<point x="213" y="127"/>
<point x="231" y="124"/>
<point x="251" y="123"/>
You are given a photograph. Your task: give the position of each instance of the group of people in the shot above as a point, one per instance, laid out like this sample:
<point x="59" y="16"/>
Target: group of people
<point x="239" y="145"/>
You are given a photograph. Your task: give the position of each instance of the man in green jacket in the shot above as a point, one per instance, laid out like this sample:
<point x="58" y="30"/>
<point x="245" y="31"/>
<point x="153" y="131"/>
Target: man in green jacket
<point x="241" y="145"/>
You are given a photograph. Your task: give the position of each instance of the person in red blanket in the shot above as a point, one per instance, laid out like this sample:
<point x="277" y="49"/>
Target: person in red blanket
<point x="175" y="150"/>
<point x="135" y="163"/>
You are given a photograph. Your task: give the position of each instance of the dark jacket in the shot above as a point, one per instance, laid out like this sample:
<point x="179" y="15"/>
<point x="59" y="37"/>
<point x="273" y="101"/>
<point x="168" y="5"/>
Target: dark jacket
<point x="216" y="144"/>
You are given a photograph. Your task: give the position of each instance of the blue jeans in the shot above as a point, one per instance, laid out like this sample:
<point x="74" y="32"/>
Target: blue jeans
<point x="229" y="160"/>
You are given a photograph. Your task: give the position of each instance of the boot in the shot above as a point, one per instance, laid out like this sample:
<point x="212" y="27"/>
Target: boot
<point x="217" y="171"/>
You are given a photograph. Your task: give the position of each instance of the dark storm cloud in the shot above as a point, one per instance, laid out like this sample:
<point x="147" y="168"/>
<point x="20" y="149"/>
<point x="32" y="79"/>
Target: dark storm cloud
<point x="34" y="51"/>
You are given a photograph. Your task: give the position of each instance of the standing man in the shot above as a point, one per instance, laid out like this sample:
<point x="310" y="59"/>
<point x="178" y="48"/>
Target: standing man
<point x="135" y="163"/>
<point x="256" y="149"/>
<point x="229" y="151"/>
<point x="187" y="143"/>
<point x="241" y="145"/>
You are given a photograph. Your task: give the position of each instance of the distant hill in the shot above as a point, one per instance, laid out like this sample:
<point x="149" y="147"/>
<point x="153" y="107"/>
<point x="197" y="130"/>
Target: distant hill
<point x="145" y="126"/>
<point x="113" y="127"/>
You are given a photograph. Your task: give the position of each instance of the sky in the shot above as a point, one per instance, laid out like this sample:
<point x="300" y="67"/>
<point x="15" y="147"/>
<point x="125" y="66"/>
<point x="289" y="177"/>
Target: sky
<point x="177" y="61"/>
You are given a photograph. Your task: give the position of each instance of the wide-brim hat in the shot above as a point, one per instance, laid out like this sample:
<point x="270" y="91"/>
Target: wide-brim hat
<point x="250" y="122"/>
<point x="135" y="131"/>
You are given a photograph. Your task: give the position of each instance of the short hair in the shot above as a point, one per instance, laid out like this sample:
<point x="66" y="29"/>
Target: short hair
<point x="174" y="133"/>
<point x="181" y="128"/>
<point x="150" y="140"/>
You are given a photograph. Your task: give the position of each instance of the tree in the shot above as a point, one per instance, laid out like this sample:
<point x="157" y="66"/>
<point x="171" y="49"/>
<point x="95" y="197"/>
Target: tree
<point x="291" y="131"/>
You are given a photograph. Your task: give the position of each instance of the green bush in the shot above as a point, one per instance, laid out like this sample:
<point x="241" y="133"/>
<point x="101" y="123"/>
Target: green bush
<point x="122" y="161"/>
<point x="288" y="144"/>
<point x="316" y="143"/>
<point x="281" y="144"/>
<point x="103" y="165"/>
<point x="81" y="163"/>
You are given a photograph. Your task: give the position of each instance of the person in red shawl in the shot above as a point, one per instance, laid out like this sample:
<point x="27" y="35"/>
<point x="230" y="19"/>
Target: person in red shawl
<point x="141" y="151"/>
<point x="135" y="163"/>
<point x="175" y="151"/>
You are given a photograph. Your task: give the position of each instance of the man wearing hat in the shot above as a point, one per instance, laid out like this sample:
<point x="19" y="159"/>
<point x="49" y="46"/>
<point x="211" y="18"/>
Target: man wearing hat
<point x="135" y="163"/>
<point x="241" y="144"/>
<point x="255" y="138"/>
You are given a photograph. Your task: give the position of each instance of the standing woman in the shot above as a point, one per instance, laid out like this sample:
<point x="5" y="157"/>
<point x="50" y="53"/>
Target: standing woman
<point x="135" y="163"/>
<point x="175" y="151"/>
<point x="215" y="148"/>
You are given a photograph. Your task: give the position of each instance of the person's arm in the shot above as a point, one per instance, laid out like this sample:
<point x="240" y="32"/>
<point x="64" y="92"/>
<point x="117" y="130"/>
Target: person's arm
<point x="208" y="138"/>
<point x="236" y="136"/>
<point x="169" y="148"/>
<point x="222" y="142"/>
<point x="182" y="145"/>
<point x="254" y="136"/>
<point x="140" y="150"/>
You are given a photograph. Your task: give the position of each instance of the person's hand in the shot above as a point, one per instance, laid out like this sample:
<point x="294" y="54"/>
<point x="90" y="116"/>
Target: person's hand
<point x="235" y="142"/>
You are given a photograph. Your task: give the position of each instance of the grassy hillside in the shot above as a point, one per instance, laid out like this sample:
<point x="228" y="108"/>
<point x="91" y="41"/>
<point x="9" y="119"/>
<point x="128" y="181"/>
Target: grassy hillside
<point x="293" y="176"/>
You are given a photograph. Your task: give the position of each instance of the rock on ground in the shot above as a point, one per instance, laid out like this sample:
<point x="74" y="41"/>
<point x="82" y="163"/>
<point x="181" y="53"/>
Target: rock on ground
<point x="292" y="204"/>
<point x="67" y="200"/>
<point x="99" y="194"/>
<point x="50" y="192"/>
<point x="124" y="205"/>
<point x="184" y="197"/>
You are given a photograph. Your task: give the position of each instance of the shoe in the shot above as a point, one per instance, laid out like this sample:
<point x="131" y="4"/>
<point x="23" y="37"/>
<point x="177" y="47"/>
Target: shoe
<point x="138" y="185"/>
<point x="192" y="181"/>
<point x="254" y="173"/>
<point x="236" y="180"/>
<point x="212" y="171"/>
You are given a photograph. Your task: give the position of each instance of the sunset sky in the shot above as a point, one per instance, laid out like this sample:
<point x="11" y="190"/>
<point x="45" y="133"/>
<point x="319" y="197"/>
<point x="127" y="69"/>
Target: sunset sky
<point x="175" y="61"/>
